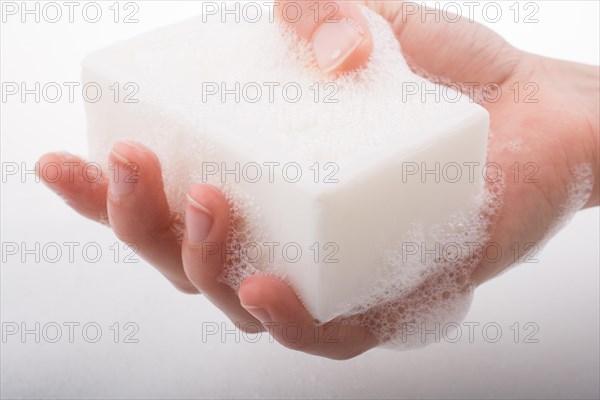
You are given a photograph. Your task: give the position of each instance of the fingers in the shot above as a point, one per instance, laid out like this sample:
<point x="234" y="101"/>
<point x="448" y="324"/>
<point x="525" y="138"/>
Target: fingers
<point x="139" y="213"/>
<point x="83" y="185"/>
<point x="203" y="252"/>
<point x="276" y="305"/>
<point x="337" y="31"/>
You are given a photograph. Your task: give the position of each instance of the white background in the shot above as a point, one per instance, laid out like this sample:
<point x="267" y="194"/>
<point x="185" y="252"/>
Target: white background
<point x="560" y="294"/>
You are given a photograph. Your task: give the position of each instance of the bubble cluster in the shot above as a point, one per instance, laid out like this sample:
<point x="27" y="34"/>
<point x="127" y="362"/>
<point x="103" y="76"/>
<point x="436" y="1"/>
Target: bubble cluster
<point x="236" y="267"/>
<point x="427" y="292"/>
<point x="172" y="119"/>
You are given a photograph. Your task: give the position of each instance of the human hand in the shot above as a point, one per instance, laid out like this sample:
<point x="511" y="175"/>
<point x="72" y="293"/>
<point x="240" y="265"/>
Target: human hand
<point x="557" y="133"/>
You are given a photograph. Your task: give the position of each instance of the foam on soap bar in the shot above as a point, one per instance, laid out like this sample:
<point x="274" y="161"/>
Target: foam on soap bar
<point x="219" y="101"/>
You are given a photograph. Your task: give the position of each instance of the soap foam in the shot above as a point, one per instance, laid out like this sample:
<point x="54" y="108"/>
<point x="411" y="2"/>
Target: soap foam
<point x="309" y="131"/>
<point x="416" y="294"/>
<point x="299" y="128"/>
<point x="399" y="297"/>
<point x="579" y="190"/>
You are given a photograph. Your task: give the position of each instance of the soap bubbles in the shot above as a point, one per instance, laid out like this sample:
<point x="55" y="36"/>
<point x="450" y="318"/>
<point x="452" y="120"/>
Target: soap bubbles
<point x="411" y="290"/>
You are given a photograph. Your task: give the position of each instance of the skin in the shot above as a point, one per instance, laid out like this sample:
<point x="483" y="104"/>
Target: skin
<point x="558" y="132"/>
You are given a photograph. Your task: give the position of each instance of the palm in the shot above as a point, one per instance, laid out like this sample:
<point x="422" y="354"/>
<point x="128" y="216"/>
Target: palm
<point x="540" y="145"/>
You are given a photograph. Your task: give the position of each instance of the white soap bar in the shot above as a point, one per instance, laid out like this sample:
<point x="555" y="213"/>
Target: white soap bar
<point x="361" y="159"/>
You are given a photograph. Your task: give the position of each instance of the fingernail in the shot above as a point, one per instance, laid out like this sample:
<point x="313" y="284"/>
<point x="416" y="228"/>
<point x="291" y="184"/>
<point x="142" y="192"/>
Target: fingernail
<point x="198" y="221"/>
<point x="259" y="313"/>
<point x="124" y="174"/>
<point x="334" y="42"/>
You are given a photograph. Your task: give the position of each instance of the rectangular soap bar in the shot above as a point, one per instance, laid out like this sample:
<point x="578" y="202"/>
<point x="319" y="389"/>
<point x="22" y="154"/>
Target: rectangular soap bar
<point x="327" y="177"/>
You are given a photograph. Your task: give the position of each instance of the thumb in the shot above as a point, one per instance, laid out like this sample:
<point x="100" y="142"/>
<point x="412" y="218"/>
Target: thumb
<point x="336" y="30"/>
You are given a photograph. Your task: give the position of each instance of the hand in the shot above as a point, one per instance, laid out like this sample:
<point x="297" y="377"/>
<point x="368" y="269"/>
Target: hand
<point x="558" y="132"/>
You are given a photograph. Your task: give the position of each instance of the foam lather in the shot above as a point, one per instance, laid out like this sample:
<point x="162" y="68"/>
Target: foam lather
<point x="320" y="172"/>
